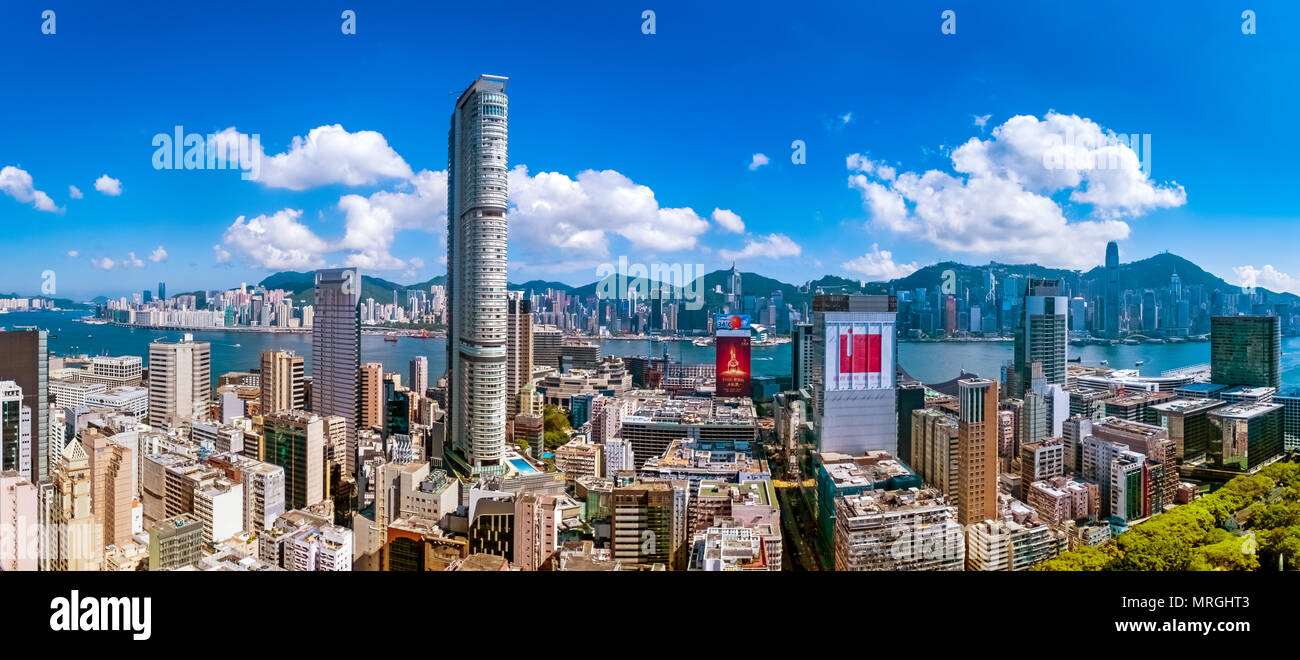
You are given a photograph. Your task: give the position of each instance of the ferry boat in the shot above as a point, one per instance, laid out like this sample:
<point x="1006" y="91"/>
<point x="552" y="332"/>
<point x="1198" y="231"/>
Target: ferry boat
<point x="1139" y="363"/>
<point x="392" y="336"/>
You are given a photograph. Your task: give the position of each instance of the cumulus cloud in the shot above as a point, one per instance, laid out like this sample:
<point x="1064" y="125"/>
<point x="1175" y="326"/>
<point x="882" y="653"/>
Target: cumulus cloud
<point x="18" y="184"/>
<point x="220" y="254"/>
<point x="1267" y="277"/>
<point x="75" y="192"/>
<point x="757" y="161"/>
<point x="278" y="241"/>
<point x="327" y="155"/>
<point x="578" y="214"/>
<point x="982" y="120"/>
<point x="73" y="253"/>
<point x="1002" y="200"/>
<point x="108" y="185"/>
<point x="103" y="263"/>
<point x="878" y="265"/>
<point x="729" y="221"/>
<point x="373" y="222"/>
<point x="158" y="255"/>
<point x="131" y="261"/>
<point x="773" y="246"/>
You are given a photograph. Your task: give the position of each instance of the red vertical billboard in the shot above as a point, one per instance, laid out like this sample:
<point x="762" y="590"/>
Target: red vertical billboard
<point x="732" y="363"/>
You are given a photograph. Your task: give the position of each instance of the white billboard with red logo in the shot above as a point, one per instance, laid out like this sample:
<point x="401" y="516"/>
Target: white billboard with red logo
<point x="859" y="355"/>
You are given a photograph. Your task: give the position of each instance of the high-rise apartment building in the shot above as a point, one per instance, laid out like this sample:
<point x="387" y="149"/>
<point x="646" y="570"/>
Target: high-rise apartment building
<point x="419" y="374"/>
<point x="801" y="355"/>
<point x="372" y="395"/>
<point x="282" y="385"/>
<point x="19" y="515"/>
<point x="1246" y="350"/>
<point x="977" y="450"/>
<point x="24" y="359"/>
<point x="74" y="543"/>
<point x="476" y="273"/>
<point x="519" y="351"/>
<point x="180" y="380"/>
<point x="336" y="354"/>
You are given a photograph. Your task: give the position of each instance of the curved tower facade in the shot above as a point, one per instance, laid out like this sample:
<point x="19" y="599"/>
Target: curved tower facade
<point x="1112" y="289"/>
<point x="476" y="273"/>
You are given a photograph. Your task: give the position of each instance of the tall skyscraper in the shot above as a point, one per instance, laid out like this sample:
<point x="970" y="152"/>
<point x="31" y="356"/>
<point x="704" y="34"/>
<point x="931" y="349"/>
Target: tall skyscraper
<point x="24" y="359"/>
<point x="282" y="382"/>
<point x="162" y="291"/>
<point x="519" y="351"/>
<point x="802" y="355"/>
<point x="1246" y="350"/>
<point x="1112" y="290"/>
<point x="855" y="372"/>
<point x="336" y="354"/>
<point x="180" y="380"/>
<point x="1042" y="336"/>
<point x="419" y="374"/>
<point x="476" y="273"/>
<point x="372" y="395"/>
<point x="977" y="450"/>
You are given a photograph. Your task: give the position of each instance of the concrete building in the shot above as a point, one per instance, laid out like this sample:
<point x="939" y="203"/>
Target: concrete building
<point x="295" y="441"/>
<point x="282" y="383"/>
<point x="854" y="366"/>
<point x="19" y="514"/>
<point x="175" y="542"/>
<point x="180" y="380"/>
<point x="1016" y="542"/>
<point x="868" y="538"/>
<point x="977" y="450"/>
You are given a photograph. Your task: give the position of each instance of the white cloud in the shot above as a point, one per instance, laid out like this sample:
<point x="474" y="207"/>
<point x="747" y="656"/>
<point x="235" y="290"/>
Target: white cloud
<point x="982" y="120"/>
<point x="131" y="261"/>
<point x="576" y="215"/>
<point x="104" y="263"/>
<point x="757" y="161"/>
<point x="729" y="221"/>
<point x="1267" y="277"/>
<point x="220" y="254"/>
<point x="73" y="253"/>
<point x="373" y="222"/>
<point x="277" y="242"/>
<point x="879" y="265"/>
<point x="847" y="117"/>
<point x="328" y="155"/>
<point x="75" y="192"/>
<point x="772" y="246"/>
<point x="158" y="255"/>
<point x="18" y="184"/>
<point x="108" y="185"/>
<point x="1001" y="202"/>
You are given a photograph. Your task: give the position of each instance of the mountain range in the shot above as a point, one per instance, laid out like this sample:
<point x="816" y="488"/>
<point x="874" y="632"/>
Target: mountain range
<point x="1151" y="273"/>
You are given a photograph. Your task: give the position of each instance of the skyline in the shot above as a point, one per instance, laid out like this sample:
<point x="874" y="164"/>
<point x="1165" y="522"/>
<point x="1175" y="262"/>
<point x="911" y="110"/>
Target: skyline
<point x="634" y="184"/>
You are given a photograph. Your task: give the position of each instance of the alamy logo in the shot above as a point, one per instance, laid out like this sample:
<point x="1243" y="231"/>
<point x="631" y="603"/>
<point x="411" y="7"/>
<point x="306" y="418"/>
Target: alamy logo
<point x="133" y="614"/>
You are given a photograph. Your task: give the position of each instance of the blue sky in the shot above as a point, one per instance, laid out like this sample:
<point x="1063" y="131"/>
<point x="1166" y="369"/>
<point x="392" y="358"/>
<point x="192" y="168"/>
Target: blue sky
<point x="664" y="126"/>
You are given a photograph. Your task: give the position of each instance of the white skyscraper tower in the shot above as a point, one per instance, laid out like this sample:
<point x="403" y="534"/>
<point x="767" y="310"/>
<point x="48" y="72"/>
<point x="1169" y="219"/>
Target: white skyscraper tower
<point x="476" y="273"/>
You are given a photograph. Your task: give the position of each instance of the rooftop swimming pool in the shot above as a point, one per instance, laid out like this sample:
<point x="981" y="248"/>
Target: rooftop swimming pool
<point x="522" y="465"/>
